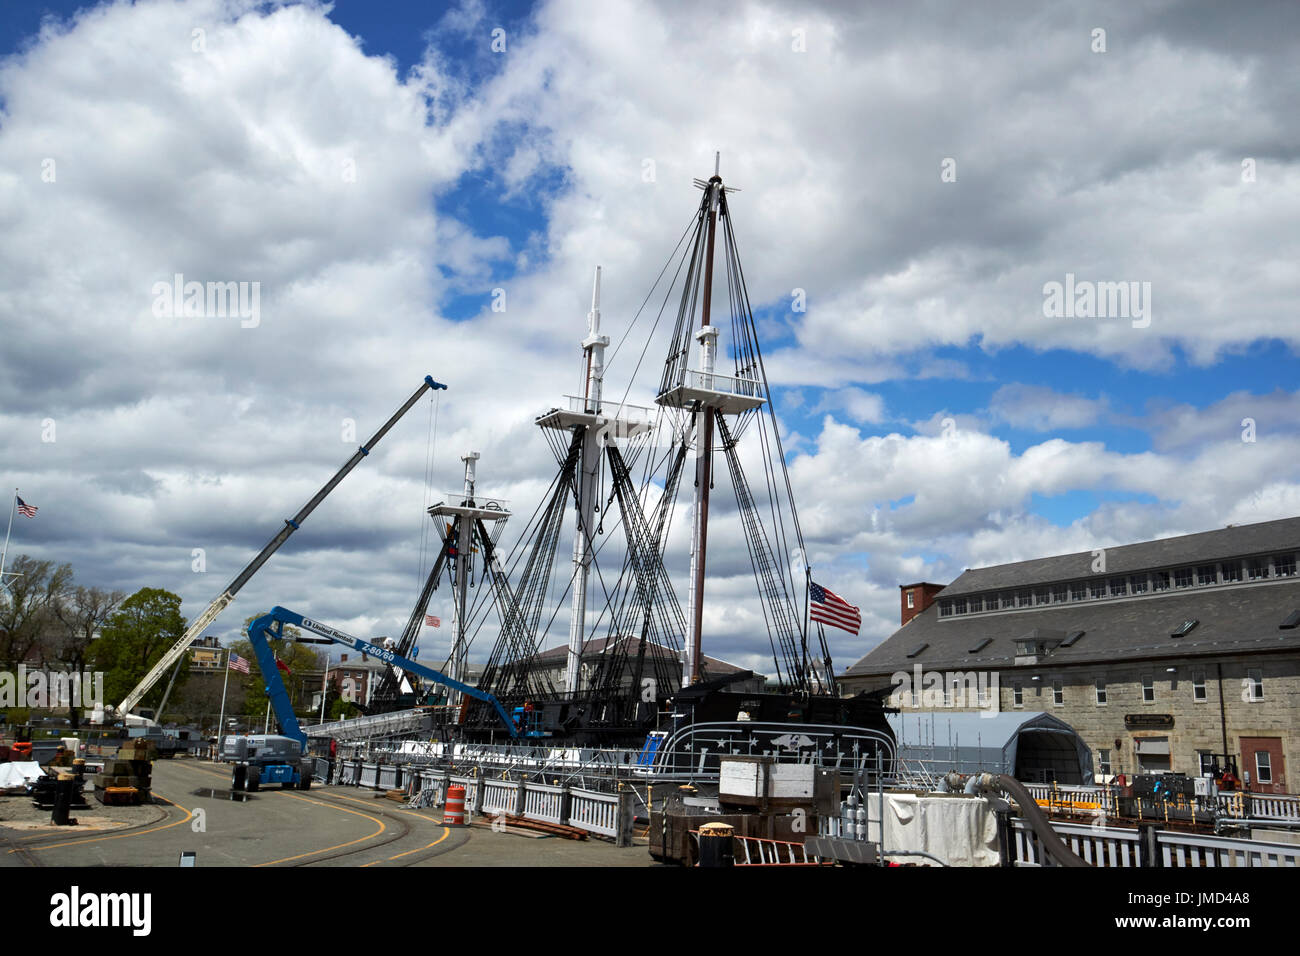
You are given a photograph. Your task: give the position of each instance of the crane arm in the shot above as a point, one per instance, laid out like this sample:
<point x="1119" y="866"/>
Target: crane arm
<point x="290" y="526"/>
<point x="274" y="623"/>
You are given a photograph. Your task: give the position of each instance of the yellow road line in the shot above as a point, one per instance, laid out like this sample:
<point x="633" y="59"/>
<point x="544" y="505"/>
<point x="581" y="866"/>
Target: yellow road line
<point x="445" y="833"/>
<point x="382" y="827"/>
<point x="120" y="836"/>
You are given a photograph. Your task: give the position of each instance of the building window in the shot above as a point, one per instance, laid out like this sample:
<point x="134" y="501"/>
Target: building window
<point x="1255" y="684"/>
<point x="1148" y="689"/>
<point x="1258" y="568"/>
<point x="1008" y="599"/>
<point x="945" y="608"/>
<point x="1058" y="693"/>
<point x="1103" y="762"/>
<point x="1042" y="596"/>
<point x="1198" y="686"/>
<point x="1024" y="598"/>
<point x="1183" y="578"/>
<point x="1118" y="587"/>
<point x="1060" y="593"/>
<point x="1263" y="767"/>
<point x="1018" y="694"/>
<point x="1097" y="588"/>
<point x="1207" y="574"/>
<point x="1137" y="584"/>
<point x="959" y="606"/>
<point x="1160" y="581"/>
<point x="1101" y="691"/>
<point x="1231" y="570"/>
<point x="1284" y="565"/>
<point x="911" y="599"/>
<point x="976" y="604"/>
<point x="1078" y="590"/>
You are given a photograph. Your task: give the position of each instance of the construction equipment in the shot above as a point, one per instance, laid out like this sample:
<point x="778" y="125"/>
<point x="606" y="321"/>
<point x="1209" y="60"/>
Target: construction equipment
<point x="266" y="758"/>
<point x="291" y="525"/>
<point x="272" y="626"/>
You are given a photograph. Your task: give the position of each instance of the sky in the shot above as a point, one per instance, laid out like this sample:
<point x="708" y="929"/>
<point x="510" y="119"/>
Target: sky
<point x="1026" y="276"/>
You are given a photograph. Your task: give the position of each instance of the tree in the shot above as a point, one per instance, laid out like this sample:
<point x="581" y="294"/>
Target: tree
<point x="26" y="602"/>
<point x="81" y="614"/>
<point x="301" y="660"/>
<point x="135" y="638"/>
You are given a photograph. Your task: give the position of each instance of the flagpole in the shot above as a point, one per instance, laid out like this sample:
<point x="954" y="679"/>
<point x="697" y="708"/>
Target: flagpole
<point x="3" y="554"/>
<point x="221" y="721"/>
<point x="807" y="587"/>
<point x="266" y="728"/>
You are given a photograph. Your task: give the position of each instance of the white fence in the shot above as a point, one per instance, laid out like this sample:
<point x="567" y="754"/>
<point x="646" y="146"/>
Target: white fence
<point x="1114" y="847"/>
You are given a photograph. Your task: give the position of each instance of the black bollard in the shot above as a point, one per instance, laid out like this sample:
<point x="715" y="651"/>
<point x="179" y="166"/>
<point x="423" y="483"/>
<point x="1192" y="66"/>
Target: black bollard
<point x="715" y="845"/>
<point x="62" y="799"/>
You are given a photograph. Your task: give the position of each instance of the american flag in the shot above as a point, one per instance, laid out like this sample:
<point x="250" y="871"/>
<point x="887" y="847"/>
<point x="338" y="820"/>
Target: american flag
<point x="26" y="510"/>
<point x="829" y="608"/>
<point x="432" y="621"/>
<point x="237" y="663"/>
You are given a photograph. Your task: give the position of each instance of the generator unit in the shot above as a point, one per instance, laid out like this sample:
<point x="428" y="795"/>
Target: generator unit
<point x="266" y="758"/>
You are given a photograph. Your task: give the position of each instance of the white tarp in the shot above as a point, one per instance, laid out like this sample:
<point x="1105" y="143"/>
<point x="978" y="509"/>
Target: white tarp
<point x="960" y="830"/>
<point x="18" y="774"/>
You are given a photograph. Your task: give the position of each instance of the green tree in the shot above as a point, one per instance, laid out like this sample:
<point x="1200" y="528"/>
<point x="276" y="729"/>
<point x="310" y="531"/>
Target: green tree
<point x="304" y="664"/>
<point x="136" y="636"/>
<point x="31" y="590"/>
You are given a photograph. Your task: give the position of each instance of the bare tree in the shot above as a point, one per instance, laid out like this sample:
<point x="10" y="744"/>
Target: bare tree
<point x="81" y="613"/>
<point x="26" y="606"/>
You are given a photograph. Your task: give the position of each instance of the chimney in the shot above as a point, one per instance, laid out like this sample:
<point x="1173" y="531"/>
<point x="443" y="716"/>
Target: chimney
<point x="915" y="598"/>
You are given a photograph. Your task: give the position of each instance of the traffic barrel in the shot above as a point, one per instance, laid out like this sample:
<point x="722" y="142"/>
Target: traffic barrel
<point x="453" y="814"/>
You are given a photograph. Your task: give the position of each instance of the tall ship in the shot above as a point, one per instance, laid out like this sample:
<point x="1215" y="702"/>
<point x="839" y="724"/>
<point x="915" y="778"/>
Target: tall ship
<point x="634" y="673"/>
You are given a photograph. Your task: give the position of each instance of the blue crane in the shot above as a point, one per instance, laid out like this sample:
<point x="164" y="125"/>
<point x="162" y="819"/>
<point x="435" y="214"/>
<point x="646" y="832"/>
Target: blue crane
<point x="272" y="625"/>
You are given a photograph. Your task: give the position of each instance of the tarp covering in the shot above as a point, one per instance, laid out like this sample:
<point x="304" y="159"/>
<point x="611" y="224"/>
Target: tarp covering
<point x="18" y="774"/>
<point x="959" y="830"/>
<point x="1019" y="743"/>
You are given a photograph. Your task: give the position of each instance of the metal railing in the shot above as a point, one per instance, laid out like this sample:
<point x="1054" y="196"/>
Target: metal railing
<point x="1115" y="847"/>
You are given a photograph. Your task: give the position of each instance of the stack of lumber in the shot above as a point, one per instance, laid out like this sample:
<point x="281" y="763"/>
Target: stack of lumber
<point x="127" y="777"/>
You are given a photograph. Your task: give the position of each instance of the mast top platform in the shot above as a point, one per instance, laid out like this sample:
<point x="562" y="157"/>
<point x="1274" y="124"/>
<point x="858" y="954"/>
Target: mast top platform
<point x="625" y="419"/>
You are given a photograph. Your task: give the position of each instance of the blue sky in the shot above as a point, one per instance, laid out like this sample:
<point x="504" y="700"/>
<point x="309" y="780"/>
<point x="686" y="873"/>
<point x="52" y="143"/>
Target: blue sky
<point x="521" y="170"/>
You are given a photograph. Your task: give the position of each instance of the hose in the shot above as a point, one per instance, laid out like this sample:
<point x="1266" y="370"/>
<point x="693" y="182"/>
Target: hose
<point x="1050" y="841"/>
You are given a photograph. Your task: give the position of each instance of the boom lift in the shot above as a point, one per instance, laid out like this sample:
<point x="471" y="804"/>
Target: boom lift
<point x="269" y="757"/>
<point x="291" y="525"/>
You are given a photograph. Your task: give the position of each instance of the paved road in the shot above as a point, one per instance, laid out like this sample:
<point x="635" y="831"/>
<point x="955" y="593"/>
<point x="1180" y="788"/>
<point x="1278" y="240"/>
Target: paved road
<point x="324" y="826"/>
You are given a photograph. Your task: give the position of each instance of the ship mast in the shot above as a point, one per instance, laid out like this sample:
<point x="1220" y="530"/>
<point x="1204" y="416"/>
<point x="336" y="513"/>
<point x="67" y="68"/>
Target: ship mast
<point x="707" y="395"/>
<point x="588" y="477"/>
<point x="707" y="336"/>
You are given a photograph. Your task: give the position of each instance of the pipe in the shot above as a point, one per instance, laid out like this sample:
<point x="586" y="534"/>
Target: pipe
<point x="1051" y="842"/>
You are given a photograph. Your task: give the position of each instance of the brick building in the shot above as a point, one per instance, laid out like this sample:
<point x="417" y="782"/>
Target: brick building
<point x="1161" y="654"/>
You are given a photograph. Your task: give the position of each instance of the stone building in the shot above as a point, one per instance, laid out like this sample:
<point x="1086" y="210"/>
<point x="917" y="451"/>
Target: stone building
<point x="1160" y="654"/>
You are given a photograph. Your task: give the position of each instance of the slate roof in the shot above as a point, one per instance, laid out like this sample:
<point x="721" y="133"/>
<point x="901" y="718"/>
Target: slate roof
<point x="1204" y="547"/>
<point x="1237" y="618"/>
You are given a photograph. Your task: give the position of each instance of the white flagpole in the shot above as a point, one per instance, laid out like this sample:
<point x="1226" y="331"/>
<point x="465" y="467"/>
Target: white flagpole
<point x="266" y="728"/>
<point x="221" y="721"/>
<point x="13" y="502"/>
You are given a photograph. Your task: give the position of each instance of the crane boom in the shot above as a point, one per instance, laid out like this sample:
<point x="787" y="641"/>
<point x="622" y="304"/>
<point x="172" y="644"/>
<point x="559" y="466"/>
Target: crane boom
<point x="279" y="616"/>
<point x="290" y="526"/>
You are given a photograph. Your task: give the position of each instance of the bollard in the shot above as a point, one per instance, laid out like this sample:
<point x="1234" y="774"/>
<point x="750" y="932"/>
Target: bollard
<point x="715" y="845"/>
<point x="63" y="788"/>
